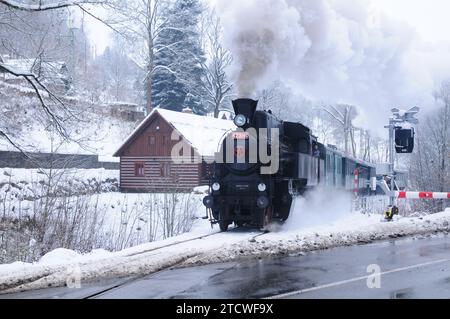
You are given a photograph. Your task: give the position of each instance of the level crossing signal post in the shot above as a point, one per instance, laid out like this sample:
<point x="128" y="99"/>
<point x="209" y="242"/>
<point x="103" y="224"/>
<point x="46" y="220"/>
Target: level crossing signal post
<point x="400" y="144"/>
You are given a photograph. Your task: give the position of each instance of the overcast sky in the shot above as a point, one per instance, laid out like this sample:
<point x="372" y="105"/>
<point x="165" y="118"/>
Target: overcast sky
<point x="429" y="17"/>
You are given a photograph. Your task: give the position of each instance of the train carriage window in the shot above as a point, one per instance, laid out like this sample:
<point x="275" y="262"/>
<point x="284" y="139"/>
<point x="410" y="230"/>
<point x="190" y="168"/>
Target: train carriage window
<point x="316" y="150"/>
<point x="330" y="169"/>
<point x="303" y="146"/>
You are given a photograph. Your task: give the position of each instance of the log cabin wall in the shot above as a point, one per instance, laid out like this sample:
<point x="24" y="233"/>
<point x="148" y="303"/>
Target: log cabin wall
<point x="157" y="174"/>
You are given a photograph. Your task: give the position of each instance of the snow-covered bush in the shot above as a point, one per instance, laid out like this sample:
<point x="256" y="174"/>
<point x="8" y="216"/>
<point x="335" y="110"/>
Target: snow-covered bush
<point x="81" y="210"/>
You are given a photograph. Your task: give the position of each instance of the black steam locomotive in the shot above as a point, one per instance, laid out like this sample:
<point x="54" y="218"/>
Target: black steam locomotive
<point x="266" y="162"/>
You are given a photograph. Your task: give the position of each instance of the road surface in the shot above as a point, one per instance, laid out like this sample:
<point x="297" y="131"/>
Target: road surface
<point x="410" y="268"/>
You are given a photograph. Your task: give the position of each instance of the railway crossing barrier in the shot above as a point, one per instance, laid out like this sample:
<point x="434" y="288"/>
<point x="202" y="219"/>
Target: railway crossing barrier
<point x="422" y="195"/>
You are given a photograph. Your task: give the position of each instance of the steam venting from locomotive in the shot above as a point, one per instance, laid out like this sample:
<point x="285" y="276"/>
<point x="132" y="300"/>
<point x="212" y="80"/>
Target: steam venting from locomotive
<point x="318" y="208"/>
<point x="255" y="56"/>
<point x="336" y="51"/>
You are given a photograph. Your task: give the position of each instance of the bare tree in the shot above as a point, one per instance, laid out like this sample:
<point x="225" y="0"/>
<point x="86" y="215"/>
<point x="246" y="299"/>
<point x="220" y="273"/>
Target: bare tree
<point x="40" y="89"/>
<point x="365" y="142"/>
<point x="141" y="22"/>
<point x="429" y="169"/>
<point x="216" y="84"/>
<point x="52" y="105"/>
<point x="441" y="133"/>
<point x="40" y="6"/>
<point x="344" y="114"/>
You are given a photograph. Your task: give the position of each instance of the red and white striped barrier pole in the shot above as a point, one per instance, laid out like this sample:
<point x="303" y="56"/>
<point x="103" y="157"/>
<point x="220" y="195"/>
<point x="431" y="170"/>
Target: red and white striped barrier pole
<point x="422" y="195"/>
<point x="356" y="182"/>
<point x="355" y="189"/>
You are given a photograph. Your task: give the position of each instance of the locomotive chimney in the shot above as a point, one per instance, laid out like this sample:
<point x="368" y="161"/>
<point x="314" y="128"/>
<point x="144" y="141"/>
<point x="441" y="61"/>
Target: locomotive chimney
<point x="245" y="107"/>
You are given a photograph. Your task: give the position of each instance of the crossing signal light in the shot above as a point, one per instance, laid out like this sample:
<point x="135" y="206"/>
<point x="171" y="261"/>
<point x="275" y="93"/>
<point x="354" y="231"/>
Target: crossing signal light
<point x="404" y="140"/>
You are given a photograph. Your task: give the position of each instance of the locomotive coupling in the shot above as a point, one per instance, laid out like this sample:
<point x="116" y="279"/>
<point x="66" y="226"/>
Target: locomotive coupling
<point x="262" y="202"/>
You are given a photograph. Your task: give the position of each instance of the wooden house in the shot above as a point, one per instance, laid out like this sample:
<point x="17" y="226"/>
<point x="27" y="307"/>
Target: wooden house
<point x="166" y="152"/>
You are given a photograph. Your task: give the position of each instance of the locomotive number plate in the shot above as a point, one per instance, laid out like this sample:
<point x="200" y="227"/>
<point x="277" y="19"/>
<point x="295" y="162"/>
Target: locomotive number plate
<point x="240" y="136"/>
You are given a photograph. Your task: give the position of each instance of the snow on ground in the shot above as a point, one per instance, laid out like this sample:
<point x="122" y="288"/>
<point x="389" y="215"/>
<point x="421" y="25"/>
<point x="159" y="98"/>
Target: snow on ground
<point x="205" y="245"/>
<point x="351" y="230"/>
<point x="18" y="187"/>
<point x="121" y="220"/>
<point x="95" y="128"/>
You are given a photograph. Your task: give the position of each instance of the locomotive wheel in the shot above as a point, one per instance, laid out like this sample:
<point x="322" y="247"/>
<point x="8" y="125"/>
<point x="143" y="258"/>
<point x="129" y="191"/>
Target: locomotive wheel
<point x="223" y="222"/>
<point x="268" y="214"/>
<point x="285" y="207"/>
<point x="223" y="225"/>
<point x="239" y="224"/>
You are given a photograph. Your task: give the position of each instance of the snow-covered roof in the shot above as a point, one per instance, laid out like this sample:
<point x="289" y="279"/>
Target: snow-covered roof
<point x="201" y="132"/>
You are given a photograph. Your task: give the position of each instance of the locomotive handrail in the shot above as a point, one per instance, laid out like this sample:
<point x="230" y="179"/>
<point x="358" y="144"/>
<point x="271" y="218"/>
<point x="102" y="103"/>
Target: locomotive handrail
<point x="222" y="138"/>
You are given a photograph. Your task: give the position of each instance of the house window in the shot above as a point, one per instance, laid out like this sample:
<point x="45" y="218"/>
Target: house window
<point x="151" y="140"/>
<point x="139" y="169"/>
<point x="165" y="140"/>
<point x="165" y="169"/>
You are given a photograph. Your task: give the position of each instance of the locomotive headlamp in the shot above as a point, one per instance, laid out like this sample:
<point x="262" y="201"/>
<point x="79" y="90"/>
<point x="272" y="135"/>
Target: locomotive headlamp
<point x="262" y="202"/>
<point x="262" y="187"/>
<point x="216" y="187"/>
<point x="240" y="120"/>
<point x="208" y="201"/>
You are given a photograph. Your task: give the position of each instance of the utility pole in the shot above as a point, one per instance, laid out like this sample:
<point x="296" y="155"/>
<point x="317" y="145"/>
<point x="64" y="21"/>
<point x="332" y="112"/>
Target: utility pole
<point x="391" y="128"/>
<point x="399" y="117"/>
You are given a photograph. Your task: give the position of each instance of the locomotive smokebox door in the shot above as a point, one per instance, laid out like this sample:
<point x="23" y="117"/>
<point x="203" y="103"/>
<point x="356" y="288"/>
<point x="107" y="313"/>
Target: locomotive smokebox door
<point x="404" y="140"/>
<point x="245" y="108"/>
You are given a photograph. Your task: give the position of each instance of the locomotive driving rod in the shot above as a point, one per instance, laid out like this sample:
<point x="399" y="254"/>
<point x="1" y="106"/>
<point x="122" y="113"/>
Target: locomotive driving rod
<point x="422" y="195"/>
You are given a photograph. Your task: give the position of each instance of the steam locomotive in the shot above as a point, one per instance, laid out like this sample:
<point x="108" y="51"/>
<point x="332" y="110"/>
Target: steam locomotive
<point x="265" y="163"/>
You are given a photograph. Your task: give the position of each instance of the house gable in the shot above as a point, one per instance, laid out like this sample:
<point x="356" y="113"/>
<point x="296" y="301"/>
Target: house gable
<point x="152" y="138"/>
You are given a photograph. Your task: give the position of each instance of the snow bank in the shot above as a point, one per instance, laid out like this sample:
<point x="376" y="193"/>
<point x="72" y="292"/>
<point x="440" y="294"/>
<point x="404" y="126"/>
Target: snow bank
<point x="357" y="229"/>
<point x="206" y="246"/>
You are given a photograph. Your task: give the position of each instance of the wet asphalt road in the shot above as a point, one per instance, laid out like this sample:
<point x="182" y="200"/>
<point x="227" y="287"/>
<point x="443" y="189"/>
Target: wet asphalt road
<point x="410" y="268"/>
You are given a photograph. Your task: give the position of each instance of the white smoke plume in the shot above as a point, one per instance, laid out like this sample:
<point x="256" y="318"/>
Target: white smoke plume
<point x="339" y="51"/>
<point x="318" y="207"/>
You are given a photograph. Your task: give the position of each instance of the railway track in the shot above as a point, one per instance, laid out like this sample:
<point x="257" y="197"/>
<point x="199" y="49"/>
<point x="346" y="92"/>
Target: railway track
<point x="35" y="279"/>
<point x="235" y="230"/>
<point x="173" y="244"/>
<point x="133" y="279"/>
